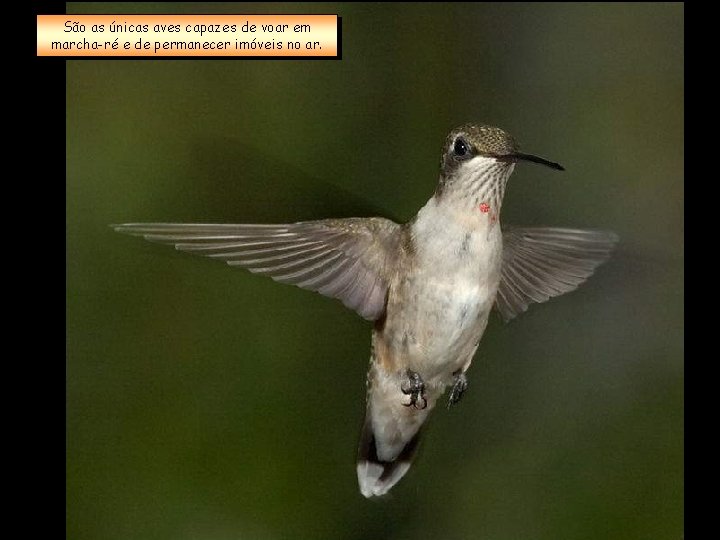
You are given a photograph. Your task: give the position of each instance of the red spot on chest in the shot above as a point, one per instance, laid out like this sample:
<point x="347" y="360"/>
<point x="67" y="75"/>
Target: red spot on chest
<point x="484" y="208"/>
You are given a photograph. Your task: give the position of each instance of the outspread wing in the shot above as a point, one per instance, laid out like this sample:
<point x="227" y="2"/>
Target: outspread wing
<point x="540" y="263"/>
<point x="348" y="259"/>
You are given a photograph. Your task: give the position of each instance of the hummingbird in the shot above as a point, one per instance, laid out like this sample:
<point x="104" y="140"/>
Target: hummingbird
<point x="427" y="285"/>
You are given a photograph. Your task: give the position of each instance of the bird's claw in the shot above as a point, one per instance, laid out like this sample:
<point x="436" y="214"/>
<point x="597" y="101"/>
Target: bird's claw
<point x="458" y="388"/>
<point x="414" y="387"/>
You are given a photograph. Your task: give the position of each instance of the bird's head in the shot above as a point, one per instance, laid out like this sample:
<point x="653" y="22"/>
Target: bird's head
<point x="477" y="161"/>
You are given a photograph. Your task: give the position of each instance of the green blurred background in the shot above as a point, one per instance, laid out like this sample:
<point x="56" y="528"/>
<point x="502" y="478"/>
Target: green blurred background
<point x="208" y="403"/>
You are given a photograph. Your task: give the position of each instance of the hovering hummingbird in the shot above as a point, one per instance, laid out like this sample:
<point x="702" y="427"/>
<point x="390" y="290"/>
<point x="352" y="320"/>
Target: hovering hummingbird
<point x="428" y="285"/>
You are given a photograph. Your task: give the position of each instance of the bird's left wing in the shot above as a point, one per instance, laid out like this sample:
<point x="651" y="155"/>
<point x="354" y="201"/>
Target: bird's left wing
<point x="348" y="259"/>
<point x="540" y="263"/>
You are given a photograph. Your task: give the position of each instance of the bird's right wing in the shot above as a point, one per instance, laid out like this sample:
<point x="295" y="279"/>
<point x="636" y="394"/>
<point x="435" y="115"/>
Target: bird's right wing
<point x="348" y="259"/>
<point x="540" y="263"/>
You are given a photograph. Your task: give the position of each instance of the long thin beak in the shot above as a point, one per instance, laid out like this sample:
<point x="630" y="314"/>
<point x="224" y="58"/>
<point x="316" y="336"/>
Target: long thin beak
<point x="517" y="156"/>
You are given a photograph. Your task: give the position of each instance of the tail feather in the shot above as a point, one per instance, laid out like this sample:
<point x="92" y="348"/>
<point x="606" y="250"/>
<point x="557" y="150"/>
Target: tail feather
<point x="375" y="475"/>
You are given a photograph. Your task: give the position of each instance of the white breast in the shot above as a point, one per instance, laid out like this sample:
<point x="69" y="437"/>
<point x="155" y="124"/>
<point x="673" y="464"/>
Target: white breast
<point x="447" y="301"/>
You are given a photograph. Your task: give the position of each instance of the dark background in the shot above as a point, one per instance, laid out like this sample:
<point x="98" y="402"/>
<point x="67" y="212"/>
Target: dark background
<point x="208" y="403"/>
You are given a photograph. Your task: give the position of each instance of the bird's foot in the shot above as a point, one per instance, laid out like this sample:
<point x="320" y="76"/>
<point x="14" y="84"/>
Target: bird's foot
<point x="413" y="386"/>
<point x="458" y="388"/>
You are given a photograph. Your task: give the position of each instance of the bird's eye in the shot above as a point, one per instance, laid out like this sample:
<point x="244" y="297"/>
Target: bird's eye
<point x="461" y="148"/>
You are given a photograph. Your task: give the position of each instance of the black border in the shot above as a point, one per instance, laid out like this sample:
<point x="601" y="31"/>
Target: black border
<point x="39" y="305"/>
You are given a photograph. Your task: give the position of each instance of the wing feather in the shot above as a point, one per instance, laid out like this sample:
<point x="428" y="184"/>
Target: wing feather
<point x="541" y="263"/>
<point x="348" y="259"/>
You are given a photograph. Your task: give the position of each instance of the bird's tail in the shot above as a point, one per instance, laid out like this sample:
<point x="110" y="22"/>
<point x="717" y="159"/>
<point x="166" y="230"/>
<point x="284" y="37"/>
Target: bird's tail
<point x="388" y="444"/>
<point x="376" y="476"/>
